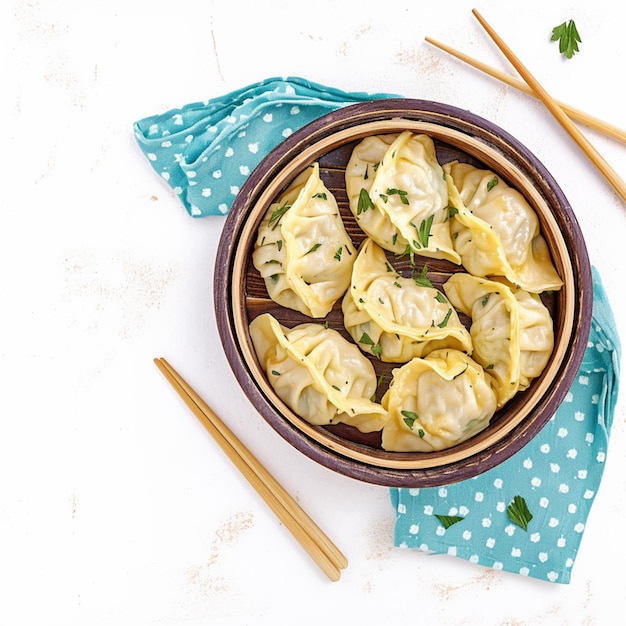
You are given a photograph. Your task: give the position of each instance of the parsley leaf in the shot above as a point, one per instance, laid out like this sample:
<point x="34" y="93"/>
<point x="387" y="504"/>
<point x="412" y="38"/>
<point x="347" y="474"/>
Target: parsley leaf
<point x="423" y="232"/>
<point x="410" y="417"/>
<point x="313" y="248"/>
<point x="568" y="37"/>
<point x="365" y="202"/>
<point x="449" y="520"/>
<point x="445" y="320"/>
<point x="518" y="512"/>
<point x="276" y="215"/>
<point x="422" y="279"/>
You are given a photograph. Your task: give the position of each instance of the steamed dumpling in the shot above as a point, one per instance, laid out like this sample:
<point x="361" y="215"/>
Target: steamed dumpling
<point x="303" y="251"/>
<point x="496" y="232"/>
<point x="437" y="402"/>
<point x="398" y="195"/>
<point x="395" y="318"/>
<point x="512" y="330"/>
<point x="318" y="374"/>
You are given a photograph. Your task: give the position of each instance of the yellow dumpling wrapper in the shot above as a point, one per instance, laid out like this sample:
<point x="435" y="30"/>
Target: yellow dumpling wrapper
<point x="395" y="318"/>
<point x="320" y="375"/>
<point x="512" y="330"/>
<point x="398" y="194"/>
<point x="302" y="250"/>
<point x="437" y="402"/>
<point x="496" y="232"/>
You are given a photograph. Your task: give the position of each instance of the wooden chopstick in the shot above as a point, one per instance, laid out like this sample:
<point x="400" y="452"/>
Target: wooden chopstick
<point x="303" y="528"/>
<point x="575" y="133"/>
<point x="585" y="118"/>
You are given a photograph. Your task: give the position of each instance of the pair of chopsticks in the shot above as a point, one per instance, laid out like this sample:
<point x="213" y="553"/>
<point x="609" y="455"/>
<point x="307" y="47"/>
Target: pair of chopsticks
<point x="562" y="112"/>
<point x="303" y="528"/>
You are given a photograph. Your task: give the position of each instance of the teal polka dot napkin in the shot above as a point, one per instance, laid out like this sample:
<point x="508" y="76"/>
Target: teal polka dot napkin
<point x="556" y="476"/>
<point x="206" y="150"/>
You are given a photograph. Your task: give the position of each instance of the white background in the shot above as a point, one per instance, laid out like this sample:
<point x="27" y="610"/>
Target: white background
<point x="115" y="505"/>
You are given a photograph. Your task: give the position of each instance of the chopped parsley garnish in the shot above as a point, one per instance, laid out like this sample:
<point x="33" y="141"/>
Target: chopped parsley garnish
<point x="568" y="37"/>
<point x="518" y="512"/>
<point x="409" y="250"/>
<point x="441" y="298"/>
<point x="446" y="319"/>
<point x="492" y="183"/>
<point x="364" y="203"/>
<point x="275" y="373"/>
<point x="423" y="232"/>
<point x="421" y="279"/>
<point x="375" y="347"/>
<point x="313" y="248"/>
<point x="449" y="520"/>
<point x="401" y="193"/>
<point x="320" y="195"/>
<point x="410" y="417"/>
<point x="338" y="253"/>
<point x="277" y="214"/>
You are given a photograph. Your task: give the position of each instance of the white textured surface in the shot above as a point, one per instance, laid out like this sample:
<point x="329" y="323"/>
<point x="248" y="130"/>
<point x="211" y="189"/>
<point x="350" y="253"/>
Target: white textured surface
<point x="115" y="506"/>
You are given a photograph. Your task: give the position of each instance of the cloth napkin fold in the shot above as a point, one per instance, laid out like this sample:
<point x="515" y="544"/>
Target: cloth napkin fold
<point x="206" y="150"/>
<point x="557" y="474"/>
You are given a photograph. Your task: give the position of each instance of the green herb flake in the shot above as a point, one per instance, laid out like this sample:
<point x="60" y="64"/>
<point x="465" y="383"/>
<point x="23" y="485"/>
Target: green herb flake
<point x="485" y="299"/>
<point x="441" y="298"/>
<point x="423" y="232"/>
<point x="313" y="248"/>
<point x="518" y="512"/>
<point x="338" y="253"/>
<point x="277" y="214"/>
<point x="401" y="193"/>
<point x="409" y="250"/>
<point x="446" y="319"/>
<point x="449" y="520"/>
<point x="422" y="279"/>
<point x="568" y="37"/>
<point x="410" y="417"/>
<point x="321" y="195"/>
<point x="364" y="203"/>
<point x="452" y="211"/>
<point x="275" y="373"/>
<point x="366" y="339"/>
<point x="492" y="183"/>
<point x="279" y="244"/>
<point x="377" y="350"/>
